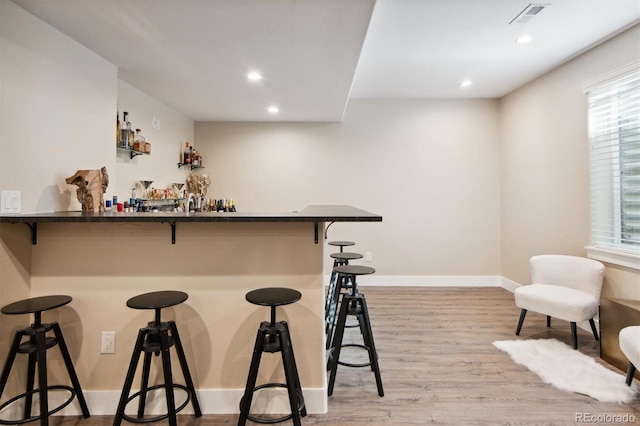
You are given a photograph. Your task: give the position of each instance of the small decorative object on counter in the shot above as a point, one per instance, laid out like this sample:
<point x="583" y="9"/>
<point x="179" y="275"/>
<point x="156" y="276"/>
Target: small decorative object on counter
<point x="92" y="184"/>
<point x="198" y="184"/>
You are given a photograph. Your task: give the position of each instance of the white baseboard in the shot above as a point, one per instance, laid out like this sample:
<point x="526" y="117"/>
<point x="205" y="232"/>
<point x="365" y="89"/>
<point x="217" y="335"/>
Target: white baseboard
<point x="426" y="281"/>
<point x="212" y="401"/>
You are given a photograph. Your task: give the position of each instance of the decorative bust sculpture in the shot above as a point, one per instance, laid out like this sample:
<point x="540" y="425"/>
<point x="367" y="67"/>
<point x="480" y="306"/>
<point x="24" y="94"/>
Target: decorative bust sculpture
<point x="92" y="184"/>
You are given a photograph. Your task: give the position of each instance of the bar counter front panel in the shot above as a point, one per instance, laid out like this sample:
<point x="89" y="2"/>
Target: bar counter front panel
<point x="101" y="260"/>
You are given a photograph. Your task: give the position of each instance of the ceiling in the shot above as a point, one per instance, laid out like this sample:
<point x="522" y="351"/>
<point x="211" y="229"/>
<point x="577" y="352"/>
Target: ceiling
<point x="314" y="55"/>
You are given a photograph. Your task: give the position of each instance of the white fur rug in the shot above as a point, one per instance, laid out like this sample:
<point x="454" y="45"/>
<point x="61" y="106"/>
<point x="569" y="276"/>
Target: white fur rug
<point x="559" y="365"/>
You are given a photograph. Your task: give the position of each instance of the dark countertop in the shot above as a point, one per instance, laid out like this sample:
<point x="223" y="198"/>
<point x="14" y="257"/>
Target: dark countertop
<point x="313" y="213"/>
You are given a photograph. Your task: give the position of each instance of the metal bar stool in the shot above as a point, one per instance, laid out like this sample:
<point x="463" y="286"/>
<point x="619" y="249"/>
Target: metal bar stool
<point x="353" y="303"/>
<point x="157" y="338"/>
<point x="341" y="244"/>
<point x="333" y="291"/>
<point x="273" y="337"/>
<point x="36" y="347"/>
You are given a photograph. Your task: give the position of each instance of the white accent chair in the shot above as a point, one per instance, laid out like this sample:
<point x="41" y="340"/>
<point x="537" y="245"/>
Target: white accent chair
<point x="565" y="287"/>
<point x="629" y="340"/>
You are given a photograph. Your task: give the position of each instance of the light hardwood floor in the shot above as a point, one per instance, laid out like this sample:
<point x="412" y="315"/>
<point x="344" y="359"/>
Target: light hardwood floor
<point x="439" y="367"/>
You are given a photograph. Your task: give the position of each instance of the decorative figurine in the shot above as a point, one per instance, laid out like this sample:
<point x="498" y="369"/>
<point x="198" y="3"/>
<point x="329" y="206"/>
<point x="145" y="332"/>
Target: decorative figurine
<point x="92" y="184"/>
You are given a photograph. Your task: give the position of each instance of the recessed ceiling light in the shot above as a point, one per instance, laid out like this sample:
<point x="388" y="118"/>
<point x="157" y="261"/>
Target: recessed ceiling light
<point x="273" y="109"/>
<point x="524" y="39"/>
<point x="466" y="83"/>
<point x="254" y="76"/>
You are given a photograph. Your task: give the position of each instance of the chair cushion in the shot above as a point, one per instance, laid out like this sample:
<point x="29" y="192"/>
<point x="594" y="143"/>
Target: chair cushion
<point x="565" y="303"/>
<point x="629" y="339"/>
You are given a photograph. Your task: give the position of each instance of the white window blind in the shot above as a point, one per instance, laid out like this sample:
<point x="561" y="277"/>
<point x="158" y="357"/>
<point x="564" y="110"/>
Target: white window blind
<point x="614" y="138"/>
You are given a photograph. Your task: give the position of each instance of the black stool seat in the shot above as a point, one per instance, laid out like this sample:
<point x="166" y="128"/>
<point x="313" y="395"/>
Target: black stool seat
<point x="157" y="338"/>
<point x="354" y="270"/>
<point x="36" y="304"/>
<point x="353" y="303"/>
<point x="341" y="244"/>
<point x="273" y="337"/>
<point x="346" y="256"/>
<point x="273" y="296"/>
<point x="36" y="348"/>
<point x="157" y="299"/>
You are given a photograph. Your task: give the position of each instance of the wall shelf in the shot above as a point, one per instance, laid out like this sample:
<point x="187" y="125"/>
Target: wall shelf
<point x="132" y="152"/>
<point x="180" y="165"/>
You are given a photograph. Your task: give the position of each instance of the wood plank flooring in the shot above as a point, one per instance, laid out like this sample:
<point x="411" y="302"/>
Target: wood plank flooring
<point x="439" y="367"/>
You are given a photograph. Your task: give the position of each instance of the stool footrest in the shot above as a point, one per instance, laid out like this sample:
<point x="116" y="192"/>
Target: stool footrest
<point x="161" y="416"/>
<point x="33" y="392"/>
<point x="352" y="364"/>
<point x="278" y="419"/>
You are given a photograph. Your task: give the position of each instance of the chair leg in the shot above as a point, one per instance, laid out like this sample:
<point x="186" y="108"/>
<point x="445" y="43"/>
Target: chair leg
<point x="548" y="320"/>
<point x="71" y="370"/>
<point x="593" y="329"/>
<point x="523" y="313"/>
<point x="42" y="378"/>
<point x="185" y="369"/>
<point x="631" y="370"/>
<point x="168" y="377"/>
<point x="574" y="335"/>
<point x="245" y="402"/>
<point x="128" y="381"/>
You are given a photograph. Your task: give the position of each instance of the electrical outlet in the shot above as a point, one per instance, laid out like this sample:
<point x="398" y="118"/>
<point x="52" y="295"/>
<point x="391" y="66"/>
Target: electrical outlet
<point x="108" y="345"/>
<point x="10" y="201"/>
<point x="155" y="123"/>
<point x="368" y="257"/>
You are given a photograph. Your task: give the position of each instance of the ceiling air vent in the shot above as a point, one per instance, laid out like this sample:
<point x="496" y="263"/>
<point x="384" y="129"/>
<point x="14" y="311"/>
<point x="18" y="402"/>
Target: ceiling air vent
<point x="528" y="13"/>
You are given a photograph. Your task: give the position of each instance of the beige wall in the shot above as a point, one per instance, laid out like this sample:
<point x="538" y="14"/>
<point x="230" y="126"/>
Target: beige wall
<point x="431" y="168"/>
<point x="545" y="165"/>
<point x="57" y="115"/>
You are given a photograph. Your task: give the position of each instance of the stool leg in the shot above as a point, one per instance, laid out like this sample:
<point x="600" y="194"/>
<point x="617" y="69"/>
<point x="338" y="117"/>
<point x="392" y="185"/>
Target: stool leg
<point x="341" y="281"/>
<point x="245" y="405"/>
<point x="128" y="381"/>
<point x="337" y="342"/>
<point x="144" y="383"/>
<point x="168" y="378"/>
<point x="185" y="368"/>
<point x="332" y="285"/>
<point x="31" y="376"/>
<point x="71" y="370"/>
<point x="42" y="377"/>
<point x="292" y="385"/>
<point x="10" y="359"/>
<point x="303" y="411"/>
<point x="373" y="355"/>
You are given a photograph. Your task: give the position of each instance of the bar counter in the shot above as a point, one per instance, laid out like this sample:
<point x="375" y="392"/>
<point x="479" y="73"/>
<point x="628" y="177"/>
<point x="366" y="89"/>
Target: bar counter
<point x="315" y="213"/>
<point x="102" y="260"/>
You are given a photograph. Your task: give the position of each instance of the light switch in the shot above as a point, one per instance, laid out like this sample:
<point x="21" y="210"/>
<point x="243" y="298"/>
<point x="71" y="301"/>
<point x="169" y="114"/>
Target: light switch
<point x="10" y="201"/>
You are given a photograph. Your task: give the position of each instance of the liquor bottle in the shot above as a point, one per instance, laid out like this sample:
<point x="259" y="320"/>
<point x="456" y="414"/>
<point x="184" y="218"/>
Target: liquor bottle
<point x="233" y="205"/>
<point x="117" y="128"/>
<point x="186" y="154"/>
<point x="124" y="131"/>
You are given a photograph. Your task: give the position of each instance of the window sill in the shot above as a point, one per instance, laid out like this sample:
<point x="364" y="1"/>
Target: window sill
<point x="622" y="258"/>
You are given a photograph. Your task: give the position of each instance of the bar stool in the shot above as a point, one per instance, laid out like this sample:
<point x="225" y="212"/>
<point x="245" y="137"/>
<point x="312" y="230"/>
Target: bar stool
<point x="273" y="337"/>
<point x="157" y="337"/>
<point x="353" y="303"/>
<point x="36" y="347"/>
<point x="341" y="244"/>
<point x="333" y="291"/>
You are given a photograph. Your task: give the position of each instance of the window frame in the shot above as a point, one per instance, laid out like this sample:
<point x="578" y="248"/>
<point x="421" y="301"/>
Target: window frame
<point x="619" y="253"/>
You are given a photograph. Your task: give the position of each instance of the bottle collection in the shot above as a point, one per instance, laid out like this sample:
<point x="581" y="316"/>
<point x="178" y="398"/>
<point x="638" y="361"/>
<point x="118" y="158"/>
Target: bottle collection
<point x="126" y="138"/>
<point x="190" y="156"/>
<point x="169" y="202"/>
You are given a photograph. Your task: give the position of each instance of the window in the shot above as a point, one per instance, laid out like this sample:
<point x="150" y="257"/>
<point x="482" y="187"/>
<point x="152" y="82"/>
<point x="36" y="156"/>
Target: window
<point x="614" y="142"/>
